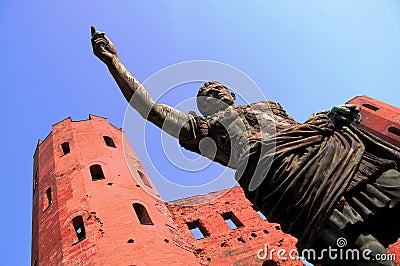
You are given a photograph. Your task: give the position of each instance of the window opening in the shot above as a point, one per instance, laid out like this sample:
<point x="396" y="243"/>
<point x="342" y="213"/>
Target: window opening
<point x="96" y="172"/>
<point x="262" y="216"/>
<point x="47" y="199"/>
<point x="370" y="106"/>
<point x="109" y="141"/>
<point x="394" y="130"/>
<point x="65" y="148"/>
<point x="142" y="214"/>
<point x="231" y="220"/>
<point x="79" y="228"/>
<point x="35" y="180"/>
<point x="144" y="179"/>
<point x="198" y="230"/>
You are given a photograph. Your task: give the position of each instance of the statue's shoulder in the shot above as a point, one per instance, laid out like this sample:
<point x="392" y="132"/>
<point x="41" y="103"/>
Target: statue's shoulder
<point x="276" y="109"/>
<point x="271" y="104"/>
<point x="262" y="106"/>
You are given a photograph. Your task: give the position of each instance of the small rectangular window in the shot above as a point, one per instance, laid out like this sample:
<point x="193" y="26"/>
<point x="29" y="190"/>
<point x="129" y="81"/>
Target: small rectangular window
<point x="65" y="148"/>
<point x="262" y="216"/>
<point x="35" y="180"/>
<point x="79" y="228"/>
<point x="96" y="172"/>
<point x="198" y="230"/>
<point x="197" y="233"/>
<point x="47" y="199"/>
<point x="371" y="107"/>
<point x="231" y="220"/>
<point x="394" y="130"/>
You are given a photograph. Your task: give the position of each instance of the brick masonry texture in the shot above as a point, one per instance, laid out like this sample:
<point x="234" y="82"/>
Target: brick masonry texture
<point x="114" y="233"/>
<point x="380" y="119"/>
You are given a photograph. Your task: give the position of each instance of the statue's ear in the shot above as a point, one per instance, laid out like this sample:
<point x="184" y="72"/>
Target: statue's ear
<point x="233" y="95"/>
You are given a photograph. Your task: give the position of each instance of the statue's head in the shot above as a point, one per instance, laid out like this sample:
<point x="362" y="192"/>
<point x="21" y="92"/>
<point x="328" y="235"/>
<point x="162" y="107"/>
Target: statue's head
<point x="213" y="97"/>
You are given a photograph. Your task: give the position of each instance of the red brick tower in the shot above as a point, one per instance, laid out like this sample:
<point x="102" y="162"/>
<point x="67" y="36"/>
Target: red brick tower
<point x="88" y="209"/>
<point x="379" y="118"/>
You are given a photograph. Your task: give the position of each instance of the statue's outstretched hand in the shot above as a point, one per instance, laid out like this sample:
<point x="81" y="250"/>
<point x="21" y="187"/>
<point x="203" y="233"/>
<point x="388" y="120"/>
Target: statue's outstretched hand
<point x="103" y="48"/>
<point x="345" y="114"/>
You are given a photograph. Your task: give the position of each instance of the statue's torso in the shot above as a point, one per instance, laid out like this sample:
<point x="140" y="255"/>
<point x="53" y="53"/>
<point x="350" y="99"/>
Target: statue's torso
<point x="235" y="129"/>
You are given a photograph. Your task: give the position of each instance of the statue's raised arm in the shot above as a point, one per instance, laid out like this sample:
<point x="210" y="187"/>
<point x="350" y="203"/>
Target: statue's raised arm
<point x="172" y="121"/>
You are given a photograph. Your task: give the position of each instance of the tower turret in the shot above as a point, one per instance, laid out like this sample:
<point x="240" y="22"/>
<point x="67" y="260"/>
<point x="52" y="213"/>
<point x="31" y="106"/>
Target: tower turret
<point x="93" y="206"/>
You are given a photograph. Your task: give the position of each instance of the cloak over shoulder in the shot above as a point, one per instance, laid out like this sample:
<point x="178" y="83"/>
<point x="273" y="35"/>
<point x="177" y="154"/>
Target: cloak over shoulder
<point x="304" y="172"/>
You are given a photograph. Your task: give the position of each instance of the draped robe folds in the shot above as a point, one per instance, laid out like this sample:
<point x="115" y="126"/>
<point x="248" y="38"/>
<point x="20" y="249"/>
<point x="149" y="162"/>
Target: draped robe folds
<point x="310" y="168"/>
<point x="296" y="176"/>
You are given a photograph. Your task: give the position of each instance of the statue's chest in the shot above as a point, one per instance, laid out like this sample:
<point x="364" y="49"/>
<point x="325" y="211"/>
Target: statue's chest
<point x="241" y="124"/>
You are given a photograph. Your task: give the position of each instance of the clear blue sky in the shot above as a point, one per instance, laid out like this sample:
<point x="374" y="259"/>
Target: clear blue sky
<point x="307" y="55"/>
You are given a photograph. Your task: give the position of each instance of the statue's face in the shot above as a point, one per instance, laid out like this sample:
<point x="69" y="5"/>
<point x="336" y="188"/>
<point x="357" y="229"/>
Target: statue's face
<point x="214" y="98"/>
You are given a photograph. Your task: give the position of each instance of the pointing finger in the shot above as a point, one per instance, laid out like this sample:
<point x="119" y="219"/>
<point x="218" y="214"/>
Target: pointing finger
<point x="92" y="30"/>
<point x="96" y="33"/>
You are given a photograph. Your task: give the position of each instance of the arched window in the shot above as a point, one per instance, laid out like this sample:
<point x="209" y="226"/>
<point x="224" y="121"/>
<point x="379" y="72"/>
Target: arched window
<point x="144" y="179"/>
<point x="65" y="148"/>
<point x="47" y="199"/>
<point x="109" y="141"/>
<point x="142" y="214"/>
<point x="79" y="228"/>
<point x="96" y="172"/>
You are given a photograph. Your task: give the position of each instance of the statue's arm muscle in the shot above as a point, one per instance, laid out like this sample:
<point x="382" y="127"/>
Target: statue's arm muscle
<point x="172" y="121"/>
<point x="169" y="119"/>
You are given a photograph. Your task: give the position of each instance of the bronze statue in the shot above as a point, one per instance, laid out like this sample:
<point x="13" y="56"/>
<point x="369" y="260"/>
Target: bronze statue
<point x="320" y="180"/>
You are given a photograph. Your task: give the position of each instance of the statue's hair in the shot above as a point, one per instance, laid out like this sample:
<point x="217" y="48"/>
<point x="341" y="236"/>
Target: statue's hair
<point x="200" y="100"/>
<point x="209" y="84"/>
